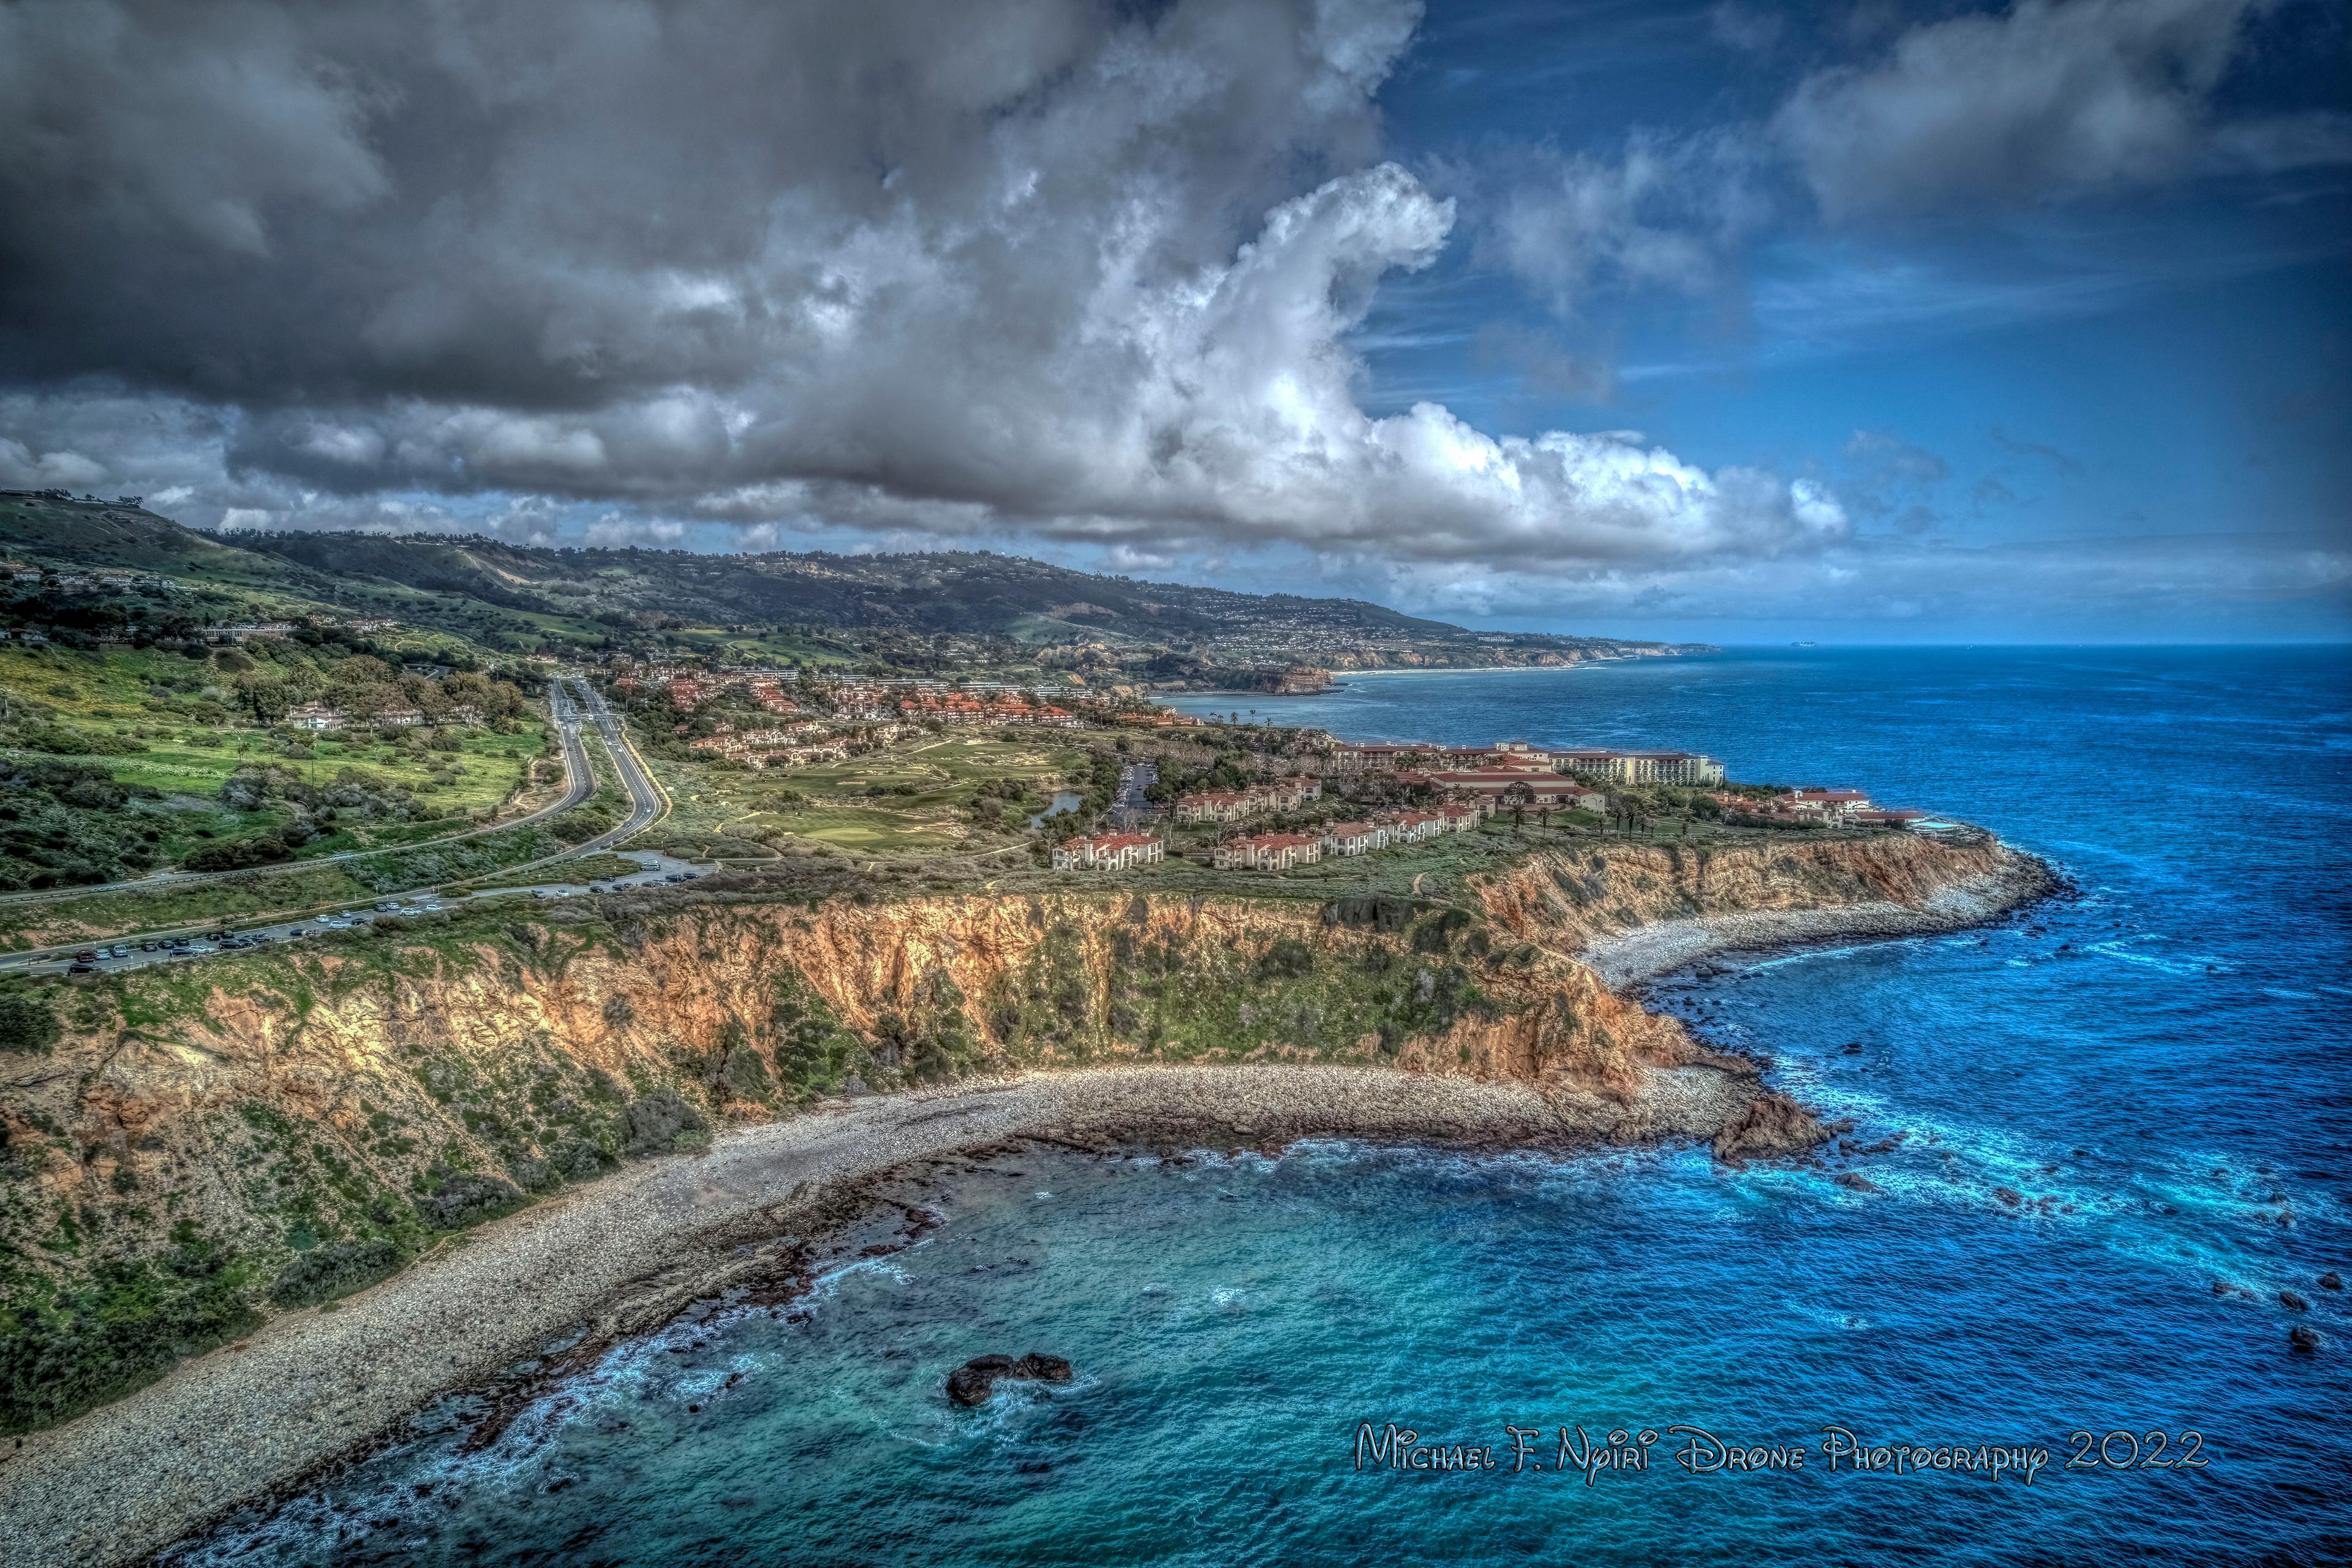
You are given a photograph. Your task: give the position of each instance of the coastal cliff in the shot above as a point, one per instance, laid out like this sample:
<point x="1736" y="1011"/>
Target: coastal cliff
<point x="203" y="1145"/>
<point x="1630" y="912"/>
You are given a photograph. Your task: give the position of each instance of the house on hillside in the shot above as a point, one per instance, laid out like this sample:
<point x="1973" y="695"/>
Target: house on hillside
<point x="1269" y="852"/>
<point x="1415" y="827"/>
<point x="1354" y="839"/>
<point x="1107" y="852"/>
<point x="314" y="717"/>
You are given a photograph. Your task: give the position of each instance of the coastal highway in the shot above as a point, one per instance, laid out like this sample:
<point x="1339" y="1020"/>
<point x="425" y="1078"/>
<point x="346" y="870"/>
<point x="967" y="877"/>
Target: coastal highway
<point x="138" y="952"/>
<point x="647" y="803"/>
<point x="578" y="783"/>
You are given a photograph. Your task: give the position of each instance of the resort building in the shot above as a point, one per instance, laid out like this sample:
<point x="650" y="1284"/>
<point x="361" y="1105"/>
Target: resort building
<point x="1107" y="852"/>
<point x="1383" y="755"/>
<point x="1237" y="805"/>
<point x="1354" y="839"/>
<point x="1215" y="806"/>
<point x="1686" y="768"/>
<point x="1415" y="827"/>
<point x="1269" y="852"/>
<point x="1508" y="786"/>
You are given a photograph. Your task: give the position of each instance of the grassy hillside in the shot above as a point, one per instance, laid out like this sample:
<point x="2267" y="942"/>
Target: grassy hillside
<point x="123" y="759"/>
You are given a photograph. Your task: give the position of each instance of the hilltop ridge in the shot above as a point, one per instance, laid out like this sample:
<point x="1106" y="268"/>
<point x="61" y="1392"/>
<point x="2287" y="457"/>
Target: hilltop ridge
<point x="926" y="612"/>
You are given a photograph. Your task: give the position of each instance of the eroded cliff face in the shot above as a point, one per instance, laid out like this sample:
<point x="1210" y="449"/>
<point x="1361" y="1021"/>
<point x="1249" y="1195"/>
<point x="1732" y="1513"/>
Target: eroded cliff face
<point x="283" y="1126"/>
<point x="1568" y="901"/>
<point x="280" y="1127"/>
<point x="517" y="1052"/>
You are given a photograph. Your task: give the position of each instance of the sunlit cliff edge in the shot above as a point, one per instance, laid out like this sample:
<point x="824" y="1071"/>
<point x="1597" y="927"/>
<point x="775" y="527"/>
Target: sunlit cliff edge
<point x="203" y="1146"/>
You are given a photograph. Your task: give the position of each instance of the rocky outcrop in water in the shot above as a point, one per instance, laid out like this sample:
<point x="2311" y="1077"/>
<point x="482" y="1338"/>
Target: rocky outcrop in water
<point x="1772" y="1124"/>
<point x="975" y="1380"/>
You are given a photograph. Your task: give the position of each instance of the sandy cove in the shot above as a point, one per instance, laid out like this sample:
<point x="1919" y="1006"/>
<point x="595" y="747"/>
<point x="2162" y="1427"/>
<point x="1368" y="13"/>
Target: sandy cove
<point x="626" y="1253"/>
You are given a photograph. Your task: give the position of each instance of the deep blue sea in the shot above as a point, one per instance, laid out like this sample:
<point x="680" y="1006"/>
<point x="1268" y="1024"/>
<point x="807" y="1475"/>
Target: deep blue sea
<point x="2157" y="1065"/>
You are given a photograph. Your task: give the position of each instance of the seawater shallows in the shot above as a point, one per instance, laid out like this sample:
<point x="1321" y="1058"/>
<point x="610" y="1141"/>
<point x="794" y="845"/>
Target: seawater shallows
<point x="2152" y="1072"/>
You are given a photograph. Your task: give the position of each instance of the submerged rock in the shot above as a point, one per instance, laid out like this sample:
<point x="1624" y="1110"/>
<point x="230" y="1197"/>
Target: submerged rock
<point x="2331" y="1280"/>
<point x="2303" y="1339"/>
<point x="2293" y="1302"/>
<point x="975" y="1380"/>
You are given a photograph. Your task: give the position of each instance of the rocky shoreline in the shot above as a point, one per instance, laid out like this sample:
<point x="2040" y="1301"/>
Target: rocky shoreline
<point x="1626" y="960"/>
<point x="629" y="1252"/>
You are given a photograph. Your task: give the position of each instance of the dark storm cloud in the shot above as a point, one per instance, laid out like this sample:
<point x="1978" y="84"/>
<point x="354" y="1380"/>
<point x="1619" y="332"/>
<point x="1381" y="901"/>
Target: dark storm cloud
<point x="2052" y="97"/>
<point x="1066" y="268"/>
<point x="2040" y="102"/>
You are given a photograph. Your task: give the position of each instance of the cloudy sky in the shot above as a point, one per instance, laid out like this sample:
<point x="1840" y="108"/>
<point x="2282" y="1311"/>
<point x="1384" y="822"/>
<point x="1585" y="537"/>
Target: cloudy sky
<point x="1866" y="321"/>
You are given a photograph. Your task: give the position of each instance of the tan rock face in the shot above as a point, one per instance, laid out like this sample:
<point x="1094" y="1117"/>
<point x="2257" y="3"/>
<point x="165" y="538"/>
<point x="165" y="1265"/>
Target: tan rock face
<point x="268" y="1099"/>
<point x="1566" y="900"/>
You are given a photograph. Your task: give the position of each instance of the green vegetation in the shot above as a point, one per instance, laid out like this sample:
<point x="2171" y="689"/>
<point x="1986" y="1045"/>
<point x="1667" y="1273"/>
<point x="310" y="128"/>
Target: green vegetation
<point x="28" y="1024"/>
<point x="122" y="761"/>
<point x="585" y="869"/>
<point x="1192" y="1000"/>
<point x="961" y="791"/>
<point x="64" y="1349"/>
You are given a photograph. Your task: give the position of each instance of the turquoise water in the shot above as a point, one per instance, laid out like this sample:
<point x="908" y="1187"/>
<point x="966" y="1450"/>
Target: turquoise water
<point x="2155" y="1066"/>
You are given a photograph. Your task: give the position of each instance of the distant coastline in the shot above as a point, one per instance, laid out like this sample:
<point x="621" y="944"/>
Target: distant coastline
<point x="1343" y="678"/>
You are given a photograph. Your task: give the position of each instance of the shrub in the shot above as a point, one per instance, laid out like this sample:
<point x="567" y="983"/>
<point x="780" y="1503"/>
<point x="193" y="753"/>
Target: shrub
<point x="325" y="1273"/>
<point x="460" y="1201"/>
<point x="131" y="1324"/>
<point x="660" y="1123"/>
<point x="242" y="854"/>
<point x="27" y="1025"/>
<point x="1288" y="958"/>
<point x="745" y="1074"/>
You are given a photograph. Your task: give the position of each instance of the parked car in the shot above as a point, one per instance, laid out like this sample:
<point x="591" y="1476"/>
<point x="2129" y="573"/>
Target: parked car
<point x="87" y="956"/>
<point x="79" y="968"/>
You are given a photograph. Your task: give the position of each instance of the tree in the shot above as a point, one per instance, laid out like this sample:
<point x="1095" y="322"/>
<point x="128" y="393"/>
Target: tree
<point x="263" y="695"/>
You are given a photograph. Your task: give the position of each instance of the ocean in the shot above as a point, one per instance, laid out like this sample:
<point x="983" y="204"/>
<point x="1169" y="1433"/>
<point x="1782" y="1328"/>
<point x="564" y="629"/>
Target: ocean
<point x="2123" y="1117"/>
